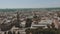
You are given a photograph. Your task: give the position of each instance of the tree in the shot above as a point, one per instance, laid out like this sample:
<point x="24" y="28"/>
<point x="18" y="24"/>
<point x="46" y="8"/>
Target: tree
<point x="28" y="22"/>
<point x="52" y="25"/>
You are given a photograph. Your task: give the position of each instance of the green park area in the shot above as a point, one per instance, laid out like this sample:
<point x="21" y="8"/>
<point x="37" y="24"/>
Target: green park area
<point x="43" y="31"/>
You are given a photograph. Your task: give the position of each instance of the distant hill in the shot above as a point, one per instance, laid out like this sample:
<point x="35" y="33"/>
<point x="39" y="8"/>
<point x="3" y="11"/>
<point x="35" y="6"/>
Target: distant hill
<point x="25" y="9"/>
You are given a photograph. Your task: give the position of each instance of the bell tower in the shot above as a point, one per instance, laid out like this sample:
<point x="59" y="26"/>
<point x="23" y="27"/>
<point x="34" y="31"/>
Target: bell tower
<point x="18" y="20"/>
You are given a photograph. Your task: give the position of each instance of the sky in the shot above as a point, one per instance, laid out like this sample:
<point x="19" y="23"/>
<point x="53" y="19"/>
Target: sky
<point x="29" y="3"/>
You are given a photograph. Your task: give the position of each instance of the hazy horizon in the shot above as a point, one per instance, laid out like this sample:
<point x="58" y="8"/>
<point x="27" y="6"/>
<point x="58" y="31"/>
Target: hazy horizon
<point x="29" y="3"/>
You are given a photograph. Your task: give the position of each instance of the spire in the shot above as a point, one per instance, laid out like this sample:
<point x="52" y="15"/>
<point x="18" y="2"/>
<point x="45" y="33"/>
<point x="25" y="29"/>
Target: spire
<point x="18" y="21"/>
<point x="18" y="17"/>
